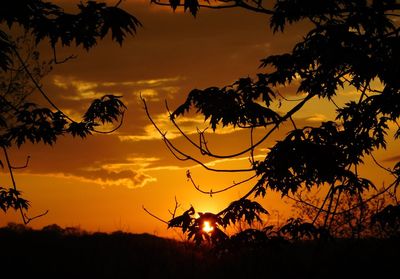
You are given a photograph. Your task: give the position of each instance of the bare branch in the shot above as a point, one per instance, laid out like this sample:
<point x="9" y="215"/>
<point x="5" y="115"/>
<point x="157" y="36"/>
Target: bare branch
<point x="384" y="190"/>
<point x="175" y="208"/>
<point x="289" y="114"/>
<point x="211" y="192"/>
<point x="160" y="3"/>
<point x="383" y="167"/>
<point x="29" y="219"/>
<point x="228" y="4"/>
<point x="185" y="157"/>
<point x="113" y="130"/>
<point x="154" y="216"/>
<point x="24" y="166"/>
<point x="37" y="85"/>
<point x="10" y="170"/>
<point x="70" y="57"/>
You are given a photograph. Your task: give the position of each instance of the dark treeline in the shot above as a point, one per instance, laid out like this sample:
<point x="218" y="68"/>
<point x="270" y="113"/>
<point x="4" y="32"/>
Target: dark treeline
<point x="54" y="252"/>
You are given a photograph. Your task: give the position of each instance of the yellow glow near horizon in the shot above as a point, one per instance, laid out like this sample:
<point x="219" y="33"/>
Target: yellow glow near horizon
<point x="207" y="227"/>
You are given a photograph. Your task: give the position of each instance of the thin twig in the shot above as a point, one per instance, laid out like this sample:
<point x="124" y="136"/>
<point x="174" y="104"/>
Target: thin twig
<point x="211" y="192"/>
<point x="29" y="219"/>
<point x="151" y="214"/>
<point x="39" y="87"/>
<point x="175" y="208"/>
<point x="10" y="170"/>
<point x="184" y="157"/>
<point x="267" y="135"/>
<point x="393" y="184"/>
<point x="57" y="62"/>
<point x="24" y="166"/>
<point x="113" y="130"/>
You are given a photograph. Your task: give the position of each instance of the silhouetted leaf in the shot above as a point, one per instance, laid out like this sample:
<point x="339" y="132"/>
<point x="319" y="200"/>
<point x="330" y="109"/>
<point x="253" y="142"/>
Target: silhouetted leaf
<point x="184" y="221"/>
<point x="248" y="210"/>
<point x="174" y="4"/>
<point x="10" y="198"/>
<point x="236" y="105"/>
<point x="81" y="129"/>
<point x="107" y="109"/>
<point x="192" y="5"/>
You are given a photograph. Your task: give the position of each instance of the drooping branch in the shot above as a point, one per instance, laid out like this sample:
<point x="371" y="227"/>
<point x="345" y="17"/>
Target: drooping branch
<point x="208" y="6"/>
<point x="175" y="151"/>
<point x="47" y="98"/>
<point x="254" y="6"/>
<point x="37" y="85"/>
<point x="284" y="118"/>
<point x="114" y="129"/>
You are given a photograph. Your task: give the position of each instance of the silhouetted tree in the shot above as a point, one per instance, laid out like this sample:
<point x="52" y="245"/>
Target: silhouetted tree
<point x="21" y="71"/>
<point x="350" y="45"/>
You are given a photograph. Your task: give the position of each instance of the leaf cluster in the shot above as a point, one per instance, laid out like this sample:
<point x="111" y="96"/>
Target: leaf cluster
<point x="10" y="198"/>
<point x="389" y="220"/>
<point x="244" y="104"/>
<point x="192" y="5"/>
<point x="38" y="124"/>
<point x="239" y="210"/>
<point x="312" y="156"/>
<point x="45" y="20"/>
<point x="296" y="229"/>
<point x="194" y="226"/>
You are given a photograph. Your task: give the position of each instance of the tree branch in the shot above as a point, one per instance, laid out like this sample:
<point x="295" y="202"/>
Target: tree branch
<point x="185" y="157"/>
<point x="154" y="216"/>
<point x="211" y="192"/>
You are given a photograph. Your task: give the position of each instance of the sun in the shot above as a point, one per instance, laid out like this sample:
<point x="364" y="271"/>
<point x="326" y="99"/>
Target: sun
<point x="207" y="227"/>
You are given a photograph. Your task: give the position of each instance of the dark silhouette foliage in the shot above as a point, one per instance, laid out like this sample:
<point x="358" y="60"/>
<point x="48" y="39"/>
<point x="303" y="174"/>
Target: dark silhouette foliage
<point x="388" y="220"/>
<point x="350" y="45"/>
<point x="22" y="120"/>
<point x="45" y="20"/>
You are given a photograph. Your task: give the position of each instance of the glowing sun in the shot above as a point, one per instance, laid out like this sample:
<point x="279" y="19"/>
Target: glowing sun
<point x="207" y="227"/>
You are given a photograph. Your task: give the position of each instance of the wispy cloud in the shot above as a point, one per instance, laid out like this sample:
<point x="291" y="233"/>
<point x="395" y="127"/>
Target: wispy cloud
<point x="318" y="117"/>
<point x="189" y="125"/>
<point x="85" y="90"/>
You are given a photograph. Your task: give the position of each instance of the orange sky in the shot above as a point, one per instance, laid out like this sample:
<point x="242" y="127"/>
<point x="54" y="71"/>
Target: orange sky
<point x="101" y="183"/>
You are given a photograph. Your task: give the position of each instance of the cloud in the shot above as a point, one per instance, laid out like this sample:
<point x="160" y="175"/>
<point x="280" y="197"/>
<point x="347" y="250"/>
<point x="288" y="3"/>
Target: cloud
<point x="124" y="177"/>
<point x="189" y="125"/>
<point x="318" y="117"/>
<point x="130" y="172"/>
<point x="231" y="160"/>
<point x="89" y="90"/>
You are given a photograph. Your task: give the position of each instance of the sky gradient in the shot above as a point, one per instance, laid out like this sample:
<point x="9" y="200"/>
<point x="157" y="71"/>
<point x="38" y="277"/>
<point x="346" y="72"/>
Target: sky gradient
<point x="100" y="183"/>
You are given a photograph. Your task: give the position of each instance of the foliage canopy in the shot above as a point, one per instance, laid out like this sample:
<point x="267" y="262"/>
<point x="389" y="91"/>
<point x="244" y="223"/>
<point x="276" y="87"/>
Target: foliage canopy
<point x="350" y="45"/>
<point x="22" y="120"/>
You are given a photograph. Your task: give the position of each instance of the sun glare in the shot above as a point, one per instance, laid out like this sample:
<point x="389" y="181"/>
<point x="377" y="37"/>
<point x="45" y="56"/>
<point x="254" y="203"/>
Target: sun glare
<point x="207" y="227"/>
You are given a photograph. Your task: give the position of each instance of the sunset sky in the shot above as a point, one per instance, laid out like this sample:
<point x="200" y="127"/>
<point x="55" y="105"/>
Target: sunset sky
<point x="101" y="183"/>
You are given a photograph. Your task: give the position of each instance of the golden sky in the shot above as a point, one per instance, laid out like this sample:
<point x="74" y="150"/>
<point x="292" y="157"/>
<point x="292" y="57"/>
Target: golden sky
<point x="100" y="183"/>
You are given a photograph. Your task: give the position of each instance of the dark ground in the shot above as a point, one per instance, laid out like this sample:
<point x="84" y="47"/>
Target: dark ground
<point x="71" y="253"/>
